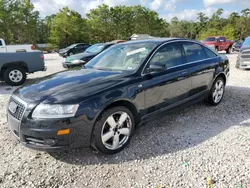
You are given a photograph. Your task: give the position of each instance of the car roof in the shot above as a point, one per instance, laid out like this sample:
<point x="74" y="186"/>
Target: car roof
<point x="157" y="40"/>
<point x="80" y="43"/>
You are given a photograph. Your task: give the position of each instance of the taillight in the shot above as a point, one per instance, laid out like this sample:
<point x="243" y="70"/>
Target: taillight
<point x="42" y="57"/>
<point x="32" y="47"/>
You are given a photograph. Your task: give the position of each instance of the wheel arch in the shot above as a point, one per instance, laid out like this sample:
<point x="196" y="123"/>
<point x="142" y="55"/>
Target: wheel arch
<point x="122" y="102"/>
<point x="17" y="63"/>
<point x="222" y="75"/>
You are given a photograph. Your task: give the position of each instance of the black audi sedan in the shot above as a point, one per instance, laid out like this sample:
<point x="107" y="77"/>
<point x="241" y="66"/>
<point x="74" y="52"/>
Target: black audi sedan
<point x="101" y="104"/>
<point x="82" y="58"/>
<point x="73" y="49"/>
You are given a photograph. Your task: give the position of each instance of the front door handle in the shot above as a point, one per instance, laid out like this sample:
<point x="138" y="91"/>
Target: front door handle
<point x="183" y="73"/>
<point x="183" y="76"/>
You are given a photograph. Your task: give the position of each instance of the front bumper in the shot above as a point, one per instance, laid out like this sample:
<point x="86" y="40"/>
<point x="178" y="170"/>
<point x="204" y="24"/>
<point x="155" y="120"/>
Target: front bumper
<point x="243" y="64"/>
<point x="42" y="134"/>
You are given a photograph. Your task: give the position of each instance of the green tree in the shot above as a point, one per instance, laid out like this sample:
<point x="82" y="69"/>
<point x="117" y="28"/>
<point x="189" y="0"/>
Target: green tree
<point x="67" y="27"/>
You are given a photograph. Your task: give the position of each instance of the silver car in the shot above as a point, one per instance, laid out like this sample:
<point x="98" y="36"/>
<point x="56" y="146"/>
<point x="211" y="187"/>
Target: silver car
<point x="243" y="60"/>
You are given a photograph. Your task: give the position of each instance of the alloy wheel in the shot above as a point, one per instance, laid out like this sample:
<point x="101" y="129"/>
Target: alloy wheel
<point x="116" y="130"/>
<point x="218" y="91"/>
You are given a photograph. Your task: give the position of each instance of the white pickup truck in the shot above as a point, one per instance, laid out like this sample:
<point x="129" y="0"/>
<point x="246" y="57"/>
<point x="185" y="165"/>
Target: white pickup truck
<point x="15" y="48"/>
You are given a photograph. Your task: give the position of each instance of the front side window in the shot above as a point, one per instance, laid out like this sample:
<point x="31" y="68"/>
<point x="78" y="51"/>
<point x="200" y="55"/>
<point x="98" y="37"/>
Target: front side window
<point x="222" y="39"/>
<point x="122" y="57"/>
<point x="168" y="55"/>
<point x="194" y="52"/>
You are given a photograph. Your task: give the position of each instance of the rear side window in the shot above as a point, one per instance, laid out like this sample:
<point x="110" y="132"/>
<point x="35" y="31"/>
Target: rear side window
<point x="209" y="53"/>
<point x="1" y="43"/>
<point x="194" y="52"/>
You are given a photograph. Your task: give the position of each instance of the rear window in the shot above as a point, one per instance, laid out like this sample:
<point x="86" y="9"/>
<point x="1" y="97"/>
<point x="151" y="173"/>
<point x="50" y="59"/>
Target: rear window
<point x="209" y="53"/>
<point x="194" y="52"/>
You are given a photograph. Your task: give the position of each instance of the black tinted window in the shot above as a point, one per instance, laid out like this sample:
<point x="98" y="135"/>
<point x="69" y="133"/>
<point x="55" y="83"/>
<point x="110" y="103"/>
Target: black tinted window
<point x="169" y="55"/>
<point x="222" y="39"/>
<point x="209" y="53"/>
<point x="194" y="52"/>
<point x="1" y="43"/>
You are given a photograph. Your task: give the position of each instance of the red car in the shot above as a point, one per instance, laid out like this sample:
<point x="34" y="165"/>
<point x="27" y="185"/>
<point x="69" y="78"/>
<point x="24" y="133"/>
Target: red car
<point x="219" y="43"/>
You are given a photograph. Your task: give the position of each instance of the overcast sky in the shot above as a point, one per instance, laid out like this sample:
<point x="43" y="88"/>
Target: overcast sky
<point x="183" y="9"/>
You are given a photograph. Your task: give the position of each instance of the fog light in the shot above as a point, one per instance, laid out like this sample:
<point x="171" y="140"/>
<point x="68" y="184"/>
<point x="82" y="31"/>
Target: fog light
<point x="49" y="142"/>
<point x="63" y="132"/>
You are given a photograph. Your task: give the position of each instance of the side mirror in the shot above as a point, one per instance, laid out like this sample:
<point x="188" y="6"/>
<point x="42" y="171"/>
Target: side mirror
<point x="156" y="67"/>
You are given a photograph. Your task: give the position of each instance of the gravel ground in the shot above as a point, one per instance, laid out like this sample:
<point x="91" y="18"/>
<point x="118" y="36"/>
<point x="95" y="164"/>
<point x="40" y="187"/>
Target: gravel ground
<point x="174" y="150"/>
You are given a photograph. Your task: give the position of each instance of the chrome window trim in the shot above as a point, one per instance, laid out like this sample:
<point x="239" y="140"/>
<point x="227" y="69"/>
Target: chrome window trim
<point x="168" y="42"/>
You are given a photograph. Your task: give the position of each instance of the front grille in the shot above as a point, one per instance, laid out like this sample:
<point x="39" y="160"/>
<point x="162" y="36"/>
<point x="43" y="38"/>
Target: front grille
<point x="245" y="54"/>
<point x="18" y="114"/>
<point x="34" y="141"/>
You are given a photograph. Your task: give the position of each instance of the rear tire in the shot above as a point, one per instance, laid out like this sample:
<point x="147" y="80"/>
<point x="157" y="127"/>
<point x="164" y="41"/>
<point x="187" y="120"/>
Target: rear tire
<point x="217" y="92"/>
<point x="14" y="75"/>
<point x="110" y="135"/>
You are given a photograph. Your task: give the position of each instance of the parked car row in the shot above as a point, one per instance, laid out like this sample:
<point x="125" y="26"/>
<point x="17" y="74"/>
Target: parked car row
<point x="82" y="58"/>
<point x="102" y="103"/>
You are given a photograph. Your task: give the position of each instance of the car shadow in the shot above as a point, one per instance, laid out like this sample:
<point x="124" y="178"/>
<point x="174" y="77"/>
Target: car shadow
<point x="170" y="133"/>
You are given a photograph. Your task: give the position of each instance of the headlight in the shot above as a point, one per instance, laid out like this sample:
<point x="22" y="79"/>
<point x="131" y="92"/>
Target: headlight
<point x="45" y="111"/>
<point x="77" y="61"/>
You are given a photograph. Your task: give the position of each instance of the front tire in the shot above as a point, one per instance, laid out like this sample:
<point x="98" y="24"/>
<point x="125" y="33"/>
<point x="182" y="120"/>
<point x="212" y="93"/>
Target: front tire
<point x="217" y="92"/>
<point x="113" y="131"/>
<point x="14" y="75"/>
<point x="229" y="50"/>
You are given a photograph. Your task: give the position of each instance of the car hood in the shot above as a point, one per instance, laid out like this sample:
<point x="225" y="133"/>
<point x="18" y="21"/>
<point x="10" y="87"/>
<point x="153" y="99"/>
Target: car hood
<point x="81" y="56"/>
<point x="63" y="50"/>
<point x="69" y="86"/>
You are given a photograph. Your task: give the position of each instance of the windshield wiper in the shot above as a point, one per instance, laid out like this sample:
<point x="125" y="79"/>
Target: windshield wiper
<point x="102" y="68"/>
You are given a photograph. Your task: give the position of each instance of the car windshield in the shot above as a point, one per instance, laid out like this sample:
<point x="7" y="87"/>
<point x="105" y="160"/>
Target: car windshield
<point x="210" y="39"/>
<point x="96" y="48"/>
<point x="247" y="42"/>
<point x="123" y="57"/>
